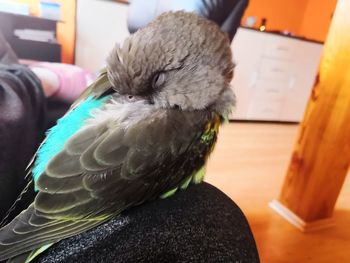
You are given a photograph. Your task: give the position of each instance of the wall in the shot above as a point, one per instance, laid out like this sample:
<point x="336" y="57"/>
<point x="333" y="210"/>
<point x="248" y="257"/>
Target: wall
<point x="317" y="18"/>
<point x="100" y="25"/>
<point x="309" y="18"/>
<point x="280" y="14"/>
<point x="65" y="29"/>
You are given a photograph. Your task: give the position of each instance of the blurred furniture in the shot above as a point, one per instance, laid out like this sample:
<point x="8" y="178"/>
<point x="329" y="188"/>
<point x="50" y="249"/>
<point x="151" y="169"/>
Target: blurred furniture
<point x="321" y="156"/>
<point x="31" y="37"/>
<point x="274" y="75"/>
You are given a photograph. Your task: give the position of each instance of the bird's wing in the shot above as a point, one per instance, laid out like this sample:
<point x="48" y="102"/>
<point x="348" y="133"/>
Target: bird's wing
<point x="98" y="88"/>
<point x="103" y="170"/>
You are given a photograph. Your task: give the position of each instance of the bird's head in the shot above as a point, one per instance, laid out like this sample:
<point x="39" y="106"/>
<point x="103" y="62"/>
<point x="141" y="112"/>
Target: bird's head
<point x="180" y="60"/>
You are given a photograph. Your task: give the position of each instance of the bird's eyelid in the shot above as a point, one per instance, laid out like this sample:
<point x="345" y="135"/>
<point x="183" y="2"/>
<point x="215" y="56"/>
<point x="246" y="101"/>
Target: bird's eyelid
<point x="160" y="76"/>
<point x="158" y="79"/>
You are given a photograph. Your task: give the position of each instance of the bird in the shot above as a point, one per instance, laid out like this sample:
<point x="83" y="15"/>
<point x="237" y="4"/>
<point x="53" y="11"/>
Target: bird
<point x="143" y="130"/>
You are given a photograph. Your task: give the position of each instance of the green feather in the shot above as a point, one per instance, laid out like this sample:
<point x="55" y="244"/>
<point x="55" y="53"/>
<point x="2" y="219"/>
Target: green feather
<point x="199" y="176"/>
<point x="36" y="252"/>
<point x="185" y="183"/>
<point x="208" y="136"/>
<point x="169" y="193"/>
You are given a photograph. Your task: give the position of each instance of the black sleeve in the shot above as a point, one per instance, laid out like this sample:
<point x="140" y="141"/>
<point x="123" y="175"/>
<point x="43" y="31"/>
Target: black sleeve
<point x="22" y="124"/>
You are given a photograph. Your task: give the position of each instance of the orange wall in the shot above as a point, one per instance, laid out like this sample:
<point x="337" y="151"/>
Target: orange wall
<point x="317" y="19"/>
<point x="280" y="14"/>
<point x="309" y="18"/>
<point x="65" y="29"/>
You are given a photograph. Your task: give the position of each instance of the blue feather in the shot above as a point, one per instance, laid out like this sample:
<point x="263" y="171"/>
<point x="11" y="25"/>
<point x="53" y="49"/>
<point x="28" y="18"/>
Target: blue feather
<point x="62" y="131"/>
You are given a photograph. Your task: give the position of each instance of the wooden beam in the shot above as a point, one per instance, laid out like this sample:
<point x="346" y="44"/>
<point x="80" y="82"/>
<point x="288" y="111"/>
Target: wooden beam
<point x="321" y="155"/>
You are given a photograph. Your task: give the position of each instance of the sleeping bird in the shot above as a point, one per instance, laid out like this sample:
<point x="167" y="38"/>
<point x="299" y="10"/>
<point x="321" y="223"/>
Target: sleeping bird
<point x="143" y="130"/>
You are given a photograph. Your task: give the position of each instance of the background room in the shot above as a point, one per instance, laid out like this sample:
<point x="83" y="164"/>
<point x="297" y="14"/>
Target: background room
<point x="284" y="155"/>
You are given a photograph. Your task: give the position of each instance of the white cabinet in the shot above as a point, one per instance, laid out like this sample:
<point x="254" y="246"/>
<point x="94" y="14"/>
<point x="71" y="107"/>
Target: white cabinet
<point x="274" y="75"/>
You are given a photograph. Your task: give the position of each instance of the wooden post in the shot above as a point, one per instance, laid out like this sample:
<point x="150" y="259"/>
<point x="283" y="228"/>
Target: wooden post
<point x="321" y="155"/>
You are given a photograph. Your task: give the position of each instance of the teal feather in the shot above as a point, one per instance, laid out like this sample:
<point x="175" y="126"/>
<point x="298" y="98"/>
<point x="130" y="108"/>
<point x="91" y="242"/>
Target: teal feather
<point x="62" y="131"/>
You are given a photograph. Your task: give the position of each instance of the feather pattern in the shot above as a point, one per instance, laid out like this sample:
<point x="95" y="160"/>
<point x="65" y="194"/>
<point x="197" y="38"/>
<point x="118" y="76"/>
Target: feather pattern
<point x="122" y="166"/>
<point x="60" y="133"/>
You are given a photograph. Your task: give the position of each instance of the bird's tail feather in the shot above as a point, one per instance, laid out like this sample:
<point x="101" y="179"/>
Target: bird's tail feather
<point x="4" y="221"/>
<point x="22" y="235"/>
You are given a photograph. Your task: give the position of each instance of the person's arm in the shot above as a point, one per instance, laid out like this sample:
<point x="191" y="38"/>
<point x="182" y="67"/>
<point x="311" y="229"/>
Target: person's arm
<point x="22" y="126"/>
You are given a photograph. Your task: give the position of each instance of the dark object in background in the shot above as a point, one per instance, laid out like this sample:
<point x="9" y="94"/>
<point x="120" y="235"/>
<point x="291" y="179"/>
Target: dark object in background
<point x="30" y="49"/>
<point x="22" y="126"/>
<point x="200" y="224"/>
<point x="226" y="13"/>
<point x="23" y="121"/>
<point x="56" y="108"/>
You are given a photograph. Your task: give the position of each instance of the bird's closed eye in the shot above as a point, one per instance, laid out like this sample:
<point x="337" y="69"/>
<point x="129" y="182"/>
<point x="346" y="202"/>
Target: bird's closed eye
<point x="158" y="80"/>
<point x="131" y="98"/>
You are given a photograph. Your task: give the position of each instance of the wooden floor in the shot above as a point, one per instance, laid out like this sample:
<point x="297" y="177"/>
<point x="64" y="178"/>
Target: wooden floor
<point x="249" y="165"/>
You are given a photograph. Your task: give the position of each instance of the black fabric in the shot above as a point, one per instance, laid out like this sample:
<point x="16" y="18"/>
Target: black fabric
<point x="22" y="125"/>
<point x="200" y="224"/>
<point x="56" y="108"/>
<point x="226" y="13"/>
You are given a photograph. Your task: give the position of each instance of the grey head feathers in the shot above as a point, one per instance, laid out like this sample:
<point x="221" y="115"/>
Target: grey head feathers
<point x="180" y="60"/>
